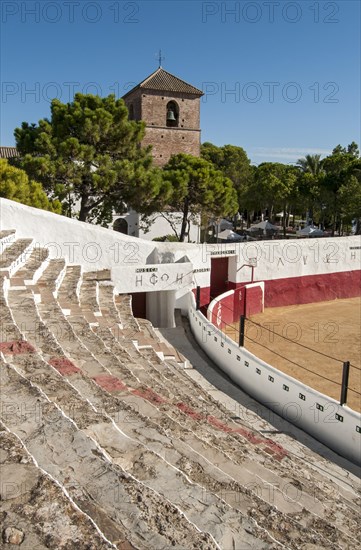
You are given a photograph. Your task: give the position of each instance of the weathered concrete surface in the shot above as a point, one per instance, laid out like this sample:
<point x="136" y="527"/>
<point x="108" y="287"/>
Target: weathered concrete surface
<point x="131" y="451"/>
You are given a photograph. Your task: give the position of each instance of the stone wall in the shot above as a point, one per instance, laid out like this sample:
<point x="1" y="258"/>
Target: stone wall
<point x="151" y="107"/>
<point x="171" y="141"/>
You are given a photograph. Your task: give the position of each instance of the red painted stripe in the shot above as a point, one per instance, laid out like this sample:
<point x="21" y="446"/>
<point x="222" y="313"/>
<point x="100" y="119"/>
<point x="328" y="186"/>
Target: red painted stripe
<point x="218" y="424"/>
<point x="190" y="412"/>
<point x="269" y="446"/>
<point x="16" y="347"/>
<point x="309" y="288"/>
<point x="112" y="383"/>
<point x="63" y="366"/>
<point x="109" y="383"/>
<point x="253" y="301"/>
<point x="312" y="288"/>
<point x="149" y="395"/>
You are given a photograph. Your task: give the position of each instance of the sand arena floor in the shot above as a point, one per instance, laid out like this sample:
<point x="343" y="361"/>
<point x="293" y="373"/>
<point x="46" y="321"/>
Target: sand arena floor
<point x="332" y="328"/>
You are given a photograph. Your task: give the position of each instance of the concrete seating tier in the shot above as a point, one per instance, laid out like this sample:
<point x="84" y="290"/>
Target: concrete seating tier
<point x="15" y="255"/>
<point x="131" y="451"/>
<point x="6" y="236"/>
<point x="32" y="503"/>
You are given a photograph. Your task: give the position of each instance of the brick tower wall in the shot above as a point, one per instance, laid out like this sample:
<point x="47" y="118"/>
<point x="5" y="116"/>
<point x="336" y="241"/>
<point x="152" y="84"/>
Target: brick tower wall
<point x="151" y="107"/>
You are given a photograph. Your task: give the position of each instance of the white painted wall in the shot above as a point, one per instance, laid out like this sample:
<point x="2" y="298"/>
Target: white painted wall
<point x="160" y="226"/>
<point x="160" y="308"/>
<point x="152" y="277"/>
<point x="95" y="248"/>
<point x="253" y="376"/>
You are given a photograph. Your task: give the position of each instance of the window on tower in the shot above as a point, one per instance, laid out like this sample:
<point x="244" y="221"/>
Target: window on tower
<point x="172" y="114"/>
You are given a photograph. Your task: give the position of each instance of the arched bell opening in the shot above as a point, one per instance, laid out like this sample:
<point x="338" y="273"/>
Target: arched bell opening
<point x="172" y="114"/>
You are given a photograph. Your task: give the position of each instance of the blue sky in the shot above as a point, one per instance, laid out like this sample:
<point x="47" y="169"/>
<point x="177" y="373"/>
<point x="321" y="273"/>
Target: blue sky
<point x="281" y="79"/>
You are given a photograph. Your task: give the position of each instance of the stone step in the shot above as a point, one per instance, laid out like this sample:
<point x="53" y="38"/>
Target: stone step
<point x="15" y="255"/>
<point x="123" y="303"/>
<point x="89" y="295"/>
<point x="235" y="496"/>
<point x="96" y="485"/>
<point x="36" y="371"/>
<point x="101" y="275"/>
<point x="93" y="368"/>
<point x="7" y="236"/>
<point x="32" y="503"/>
<point x="250" y="475"/>
<point x="107" y="304"/>
<point x="142" y="332"/>
<point x="249" y="435"/>
<point x="139" y="377"/>
<point x="35" y="266"/>
<point x="195" y="411"/>
<point x="25" y="316"/>
<point x="167" y="352"/>
<point x="53" y="275"/>
<point x="8" y="330"/>
<point x="205" y="509"/>
<point x="178" y="403"/>
<point x="147" y="328"/>
<point x="68" y="292"/>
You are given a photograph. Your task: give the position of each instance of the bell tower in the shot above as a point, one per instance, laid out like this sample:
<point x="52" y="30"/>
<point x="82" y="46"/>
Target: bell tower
<point x="170" y="108"/>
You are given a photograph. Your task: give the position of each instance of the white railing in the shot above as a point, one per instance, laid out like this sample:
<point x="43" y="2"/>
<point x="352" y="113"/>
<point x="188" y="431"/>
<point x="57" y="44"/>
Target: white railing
<point x="338" y="427"/>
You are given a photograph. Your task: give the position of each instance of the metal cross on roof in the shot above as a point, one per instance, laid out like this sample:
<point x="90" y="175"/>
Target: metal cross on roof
<point x="160" y="58"/>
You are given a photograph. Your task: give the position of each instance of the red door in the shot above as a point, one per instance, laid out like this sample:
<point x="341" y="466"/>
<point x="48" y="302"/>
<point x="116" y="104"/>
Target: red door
<point x="219" y="276"/>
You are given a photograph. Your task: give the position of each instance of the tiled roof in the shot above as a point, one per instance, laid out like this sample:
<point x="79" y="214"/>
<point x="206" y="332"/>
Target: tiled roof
<point x="163" y="81"/>
<point x="8" y="152"/>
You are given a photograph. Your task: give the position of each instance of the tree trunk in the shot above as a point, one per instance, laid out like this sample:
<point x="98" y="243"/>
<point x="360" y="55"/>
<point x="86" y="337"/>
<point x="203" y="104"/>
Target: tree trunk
<point x="334" y="217"/>
<point x="284" y="220"/>
<point x="358" y="226"/>
<point x="184" y="221"/>
<point x="333" y="224"/>
<point x="84" y="208"/>
<point x="171" y="223"/>
<point x="189" y="231"/>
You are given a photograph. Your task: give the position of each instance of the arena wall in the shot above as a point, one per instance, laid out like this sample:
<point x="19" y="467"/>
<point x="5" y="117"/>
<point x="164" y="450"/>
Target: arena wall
<point x="338" y="427"/>
<point x="228" y="307"/>
<point x="301" y="271"/>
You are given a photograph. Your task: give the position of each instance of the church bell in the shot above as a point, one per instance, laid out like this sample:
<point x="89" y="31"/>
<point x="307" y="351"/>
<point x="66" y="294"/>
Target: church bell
<point x="170" y="115"/>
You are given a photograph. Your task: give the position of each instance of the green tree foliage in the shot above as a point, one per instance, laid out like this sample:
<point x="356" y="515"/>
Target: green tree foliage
<point x="192" y="186"/>
<point x="89" y="153"/>
<point x="233" y="162"/>
<point x="311" y="164"/>
<point x="350" y="199"/>
<point x="340" y="185"/>
<point x="273" y="188"/>
<point x="352" y="149"/>
<point x="309" y="185"/>
<point x="16" y="186"/>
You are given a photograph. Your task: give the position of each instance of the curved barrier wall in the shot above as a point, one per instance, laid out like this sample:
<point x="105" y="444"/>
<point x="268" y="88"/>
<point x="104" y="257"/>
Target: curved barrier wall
<point x="338" y="427"/>
<point x="229" y="306"/>
<point x="220" y="311"/>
